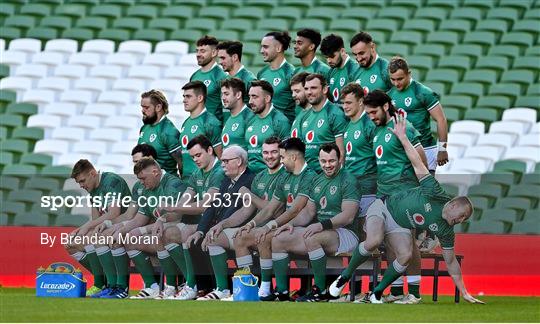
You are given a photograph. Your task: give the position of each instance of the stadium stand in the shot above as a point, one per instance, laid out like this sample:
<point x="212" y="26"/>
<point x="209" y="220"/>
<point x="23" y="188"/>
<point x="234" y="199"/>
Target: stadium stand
<point x="72" y="71"/>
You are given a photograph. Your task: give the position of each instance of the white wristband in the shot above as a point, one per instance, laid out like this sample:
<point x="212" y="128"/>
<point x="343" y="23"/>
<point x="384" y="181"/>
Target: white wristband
<point x="441" y="146"/>
<point x="107" y="223"/>
<point x="272" y="224"/>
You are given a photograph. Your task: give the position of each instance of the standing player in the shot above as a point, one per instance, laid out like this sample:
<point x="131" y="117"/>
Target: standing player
<point x="427" y="207"/>
<point x="373" y="72"/>
<point x="324" y="124"/>
<point x="305" y="47"/>
<point x="333" y="200"/>
<point x="234" y="130"/>
<point x="303" y="107"/>
<point x="199" y="122"/>
<point x="343" y="68"/>
<point x="159" y="131"/>
<point x="210" y="74"/>
<point x="417" y="103"/>
<point x="278" y="72"/>
<point x="230" y="58"/>
<point x="268" y="121"/>
<point x="102" y="187"/>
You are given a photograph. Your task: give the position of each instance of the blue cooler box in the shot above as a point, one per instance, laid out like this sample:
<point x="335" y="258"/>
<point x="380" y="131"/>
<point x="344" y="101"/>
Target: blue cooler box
<point x="60" y="280"/>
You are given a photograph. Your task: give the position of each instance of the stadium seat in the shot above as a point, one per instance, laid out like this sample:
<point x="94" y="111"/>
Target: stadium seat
<point x="520" y="205"/>
<point x="16" y="83"/>
<point x="71" y="10"/>
<point x="484" y="76"/>
<point x="531" y="140"/>
<point x="497" y="26"/>
<point x="511" y="90"/>
<point x="225" y="34"/>
<point x="31" y="219"/>
<point x="108" y="11"/>
<point x="23" y="22"/>
<point x="473" y="166"/>
<point x="468" y="127"/>
<point x="289" y="13"/>
<point x="186" y="35"/>
<point x="472" y="89"/>
<point x="509" y="127"/>
<point x="526" y="227"/>
<point x="124" y="60"/>
<point x="499" y="103"/>
<point x="338" y="25"/>
<point x="38" y="96"/>
<point x="27" y="45"/>
<point x="528" y="101"/>
<point x="79" y="34"/>
<point x="101" y="46"/>
<point x="510" y="51"/>
<point x="530" y="155"/>
<point x="70" y="134"/>
<point x="528" y="191"/>
<point x="316" y="24"/>
<point x="146" y="12"/>
<point x="127" y="23"/>
<point x="93" y="23"/>
<point x="29" y="134"/>
<point x="490" y="191"/>
<point x="525" y="115"/>
<point x="463" y="140"/>
<point x="470" y="50"/>
<point x="237" y="24"/>
<point x="472" y="14"/>
<point x="488" y="153"/>
<point x="460" y="26"/>
<point x="50" y="59"/>
<point x="524" y="40"/>
<point x="172" y="47"/>
<point x="406" y="37"/>
<point x="497" y="140"/>
<point x="523" y="77"/>
<point x="46" y="185"/>
<point x="61" y="109"/>
<point x="88" y="122"/>
<point x="461" y="63"/>
<point x="496" y="63"/>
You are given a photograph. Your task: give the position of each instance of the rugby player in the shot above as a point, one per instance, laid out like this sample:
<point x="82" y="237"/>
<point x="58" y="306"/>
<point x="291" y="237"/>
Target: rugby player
<point x="305" y="47"/>
<point x="230" y="59"/>
<point x="234" y="131"/>
<point x="302" y="105"/>
<point x="373" y="72"/>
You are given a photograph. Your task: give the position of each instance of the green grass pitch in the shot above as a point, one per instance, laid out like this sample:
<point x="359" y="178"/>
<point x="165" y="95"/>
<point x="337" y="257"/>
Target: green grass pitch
<point x="21" y="305"/>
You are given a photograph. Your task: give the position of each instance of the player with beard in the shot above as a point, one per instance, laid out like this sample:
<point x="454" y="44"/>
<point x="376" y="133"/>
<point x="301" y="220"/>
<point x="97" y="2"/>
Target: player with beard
<point x="232" y="95"/>
<point x="302" y="105"/>
<point x="343" y="68"/>
<point x="305" y="47"/>
<point x="230" y="59"/>
<point x="160" y="132"/>
<point x="210" y="74"/>
<point x="373" y="72"/>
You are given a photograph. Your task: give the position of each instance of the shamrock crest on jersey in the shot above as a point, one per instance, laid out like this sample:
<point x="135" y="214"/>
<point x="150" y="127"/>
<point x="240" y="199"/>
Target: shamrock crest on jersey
<point x="152" y="137"/>
<point x="320" y="123"/>
<point x="276" y="81"/>
<point x="434" y="227"/>
<point x="373" y="78"/>
<point x="357" y="134"/>
<point x="341" y="82"/>
<point x="194" y="128"/>
<point x="264" y="128"/>
<point x="207" y="82"/>
<point x="333" y="190"/>
<point x="408" y="101"/>
<point x="234" y="127"/>
<point x="387" y="137"/>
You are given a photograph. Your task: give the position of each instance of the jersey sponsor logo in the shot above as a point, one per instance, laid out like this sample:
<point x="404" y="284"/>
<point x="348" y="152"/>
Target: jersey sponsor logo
<point x="379" y="152"/>
<point x="290" y="199"/>
<point x="323" y="202"/>
<point x="152" y="137"/>
<point x="225" y="139"/>
<point x="348" y="148"/>
<point x="433" y="227"/>
<point x="234" y="127"/>
<point x="341" y="82"/>
<point x="194" y="128"/>
<point x="207" y="83"/>
<point x="373" y="78"/>
<point x="310" y="136"/>
<point x="335" y="93"/>
<point x="294" y="132"/>
<point x="366" y="90"/>
<point x="408" y="101"/>
<point x="185" y="140"/>
<point x="264" y="128"/>
<point x="333" y="190"/>
<point x="401" y="112"/>
<point x="357" y="134"/>
<point x="276" y="81"/>
<point x="419" y="219"/>
<point x="320" y="123"/>
<point x="387" y="137"/>
<point x="253" y="140"/>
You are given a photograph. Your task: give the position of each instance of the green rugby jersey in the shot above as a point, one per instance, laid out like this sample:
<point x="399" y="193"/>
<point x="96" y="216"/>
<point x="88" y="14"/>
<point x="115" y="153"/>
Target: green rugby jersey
<point x="328" y="194"/>
<point x="246" y="76"/>
<point x="296" y="127"/>
<point x="320" y="127"/>
<point x="212" y="80"/>
<point x="112" y="183"/>
<point x="415" y="103"/>
<point x="279" y="79"/>
<point x="136" y="192"/>
<point x="234" y="130"/>
<point x="164" y="137"/>
<point x="201" y="181"/>
<point x="421" y="208"/>
<point x="359" y="158"/>
<point x="374" y="77"/>
<point x="265" y="183"/>
<point x="394" y="169"/>
<point x="316" y="66"/>
<point x="294" y="185"/>
<point x="339" y="77"/>
<point x="169" y="186"/>
<point x="258" y="130"/>
<point x="204" y="124"/>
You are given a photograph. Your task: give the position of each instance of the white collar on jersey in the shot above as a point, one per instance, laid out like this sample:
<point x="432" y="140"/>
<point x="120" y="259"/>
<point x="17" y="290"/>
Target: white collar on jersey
<point x="303" y="168"/>
<point x="202" y="112"/>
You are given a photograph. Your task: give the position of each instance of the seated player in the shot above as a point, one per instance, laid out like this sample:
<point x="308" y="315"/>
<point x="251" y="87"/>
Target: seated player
<point x="326" y="226"/>
<point x="103" y="186"/>
<point x="426" y="207"/>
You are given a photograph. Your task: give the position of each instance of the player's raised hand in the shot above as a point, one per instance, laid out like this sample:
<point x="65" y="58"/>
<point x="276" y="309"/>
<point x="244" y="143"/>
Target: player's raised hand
<point x="400" y="126"/>
<point x="287" y="227"/>
<point x="468" y="297"/>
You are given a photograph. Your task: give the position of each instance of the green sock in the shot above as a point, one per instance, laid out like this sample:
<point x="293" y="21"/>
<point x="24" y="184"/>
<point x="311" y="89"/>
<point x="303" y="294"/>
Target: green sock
<point x="168" y="266"/>
<point x="414" y="289"/>
<point x="121" y="263"/>
<point x="95" y="268"/>
<point x="356" y="260"/>
<point x="318" y="264"/>
<point x="219" y="265"/>
<point x="266" y="270"/>
<point x="396" y="290"/>
<point x="190" y="272"/>
<point x="143" y="264"/>
<point x="85" y="262"/>
<point x="280" y="263"/>
<point x="107" y="263"/>
<point x="177" y="254"/>
<point x="390" y="275"/>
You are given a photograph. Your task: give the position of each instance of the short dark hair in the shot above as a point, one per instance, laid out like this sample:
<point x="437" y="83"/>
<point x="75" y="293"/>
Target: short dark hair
<point x="236" y="84"/>
<point x="207" y="40"/>
<point x="282" y="37"/>
<point x="231" y="47"/>
<point x="293" y="144"/>
<point x="311" y="34"/>
<point x="361" y="37"/>
<point x="299" y="78"/>
<point x="329" y="147"/>
<point x="144" y="163"/>
<point x="83" y="165"/>
<point x="201" y="140"/>
<point x="272" y="140"/>
<point x="353" y="88"/>
<point x="378" y="98"/>
<point x="331" y="44"/>
<point x="146" y="150"/>
<point x="398" y="63"/>
<point x="197" y="86"/>
<point x="265" y="85"/>
<point x="157" y="98"/>
<point x="313" y="76"/>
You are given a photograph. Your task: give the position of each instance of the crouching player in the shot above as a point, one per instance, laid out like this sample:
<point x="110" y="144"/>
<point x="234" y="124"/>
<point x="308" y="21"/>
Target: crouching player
<point x="426" y="207"/>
